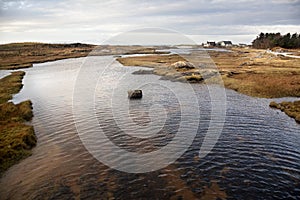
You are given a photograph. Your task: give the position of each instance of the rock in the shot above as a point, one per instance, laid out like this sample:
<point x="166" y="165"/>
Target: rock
<point x="183" y="65"/>
<point x="135" y="94"/>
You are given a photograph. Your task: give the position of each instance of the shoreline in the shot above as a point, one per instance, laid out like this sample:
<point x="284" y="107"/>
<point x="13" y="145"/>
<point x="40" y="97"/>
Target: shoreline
<point x="252" y="72"/>
<point x="248" y="71"/>
<point x="23" y="55"/>
<point x="17" y="138"/>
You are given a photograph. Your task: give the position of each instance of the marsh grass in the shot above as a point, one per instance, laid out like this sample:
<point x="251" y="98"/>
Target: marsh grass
<point x="10" y="85"/>
<point x="292" y="109"/>
<point x="23" y="55"/>
<point x="265" y="85"/>
<point x="16" y="138"/>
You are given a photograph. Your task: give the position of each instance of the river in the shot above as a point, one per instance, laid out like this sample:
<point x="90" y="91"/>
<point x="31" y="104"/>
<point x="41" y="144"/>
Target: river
<point x="257" y="155"/>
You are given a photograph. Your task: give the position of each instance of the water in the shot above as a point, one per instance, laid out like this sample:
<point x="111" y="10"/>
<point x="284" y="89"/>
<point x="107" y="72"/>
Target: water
<point x="256" y="157"/>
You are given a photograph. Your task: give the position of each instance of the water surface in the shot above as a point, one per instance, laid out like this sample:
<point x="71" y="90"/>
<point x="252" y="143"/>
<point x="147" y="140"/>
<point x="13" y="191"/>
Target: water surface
<point x="257" y="155"/>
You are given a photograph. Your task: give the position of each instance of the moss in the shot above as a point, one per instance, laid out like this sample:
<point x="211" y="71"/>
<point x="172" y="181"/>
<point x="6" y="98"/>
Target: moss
<point x="292" y="109"/>
<point x="194" y="78"/>
<point x="21" y="112"/>
<point x="10" y="85"/>
<point x="16" y="141"/>
<point x="16" y="138"/>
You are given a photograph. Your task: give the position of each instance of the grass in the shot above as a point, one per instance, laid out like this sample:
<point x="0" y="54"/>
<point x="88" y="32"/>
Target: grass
<point x="249" y="71"/>
<point x="162" y="65"/>
<point x="10" y="85"/>
<point x="266" y="85"/>
<point x="292" y="109"/>
<point x="259" y="74"/>
<point x="23" y="55"/>
<point x="16" y="138"/>
<point x="151" y="61"/>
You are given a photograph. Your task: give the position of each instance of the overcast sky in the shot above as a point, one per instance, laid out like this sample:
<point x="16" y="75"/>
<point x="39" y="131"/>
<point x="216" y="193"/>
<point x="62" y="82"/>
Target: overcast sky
<point x="94" y="21"/>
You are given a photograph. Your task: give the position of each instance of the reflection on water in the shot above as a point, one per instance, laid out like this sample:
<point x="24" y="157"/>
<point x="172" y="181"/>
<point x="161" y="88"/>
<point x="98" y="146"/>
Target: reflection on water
<point x="256" y="157"/>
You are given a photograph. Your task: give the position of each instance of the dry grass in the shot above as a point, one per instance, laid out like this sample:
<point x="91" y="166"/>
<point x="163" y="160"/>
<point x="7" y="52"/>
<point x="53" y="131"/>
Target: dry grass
<point x="16" y="141"/>
<point x="292" y="109"/>
<point x="23" y="55"/>
<point x="267" y="85"/>
<point x="16" y="138"/>
<point x="162" y="65"/>
<point x="10" y="85"/>
<point x="151" y="60"/>
<point x="249" y="71"/>
<point x="257" y="73"/>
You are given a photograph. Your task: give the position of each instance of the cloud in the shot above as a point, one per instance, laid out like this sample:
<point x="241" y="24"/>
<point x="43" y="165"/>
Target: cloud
<point x="80" y="20"/>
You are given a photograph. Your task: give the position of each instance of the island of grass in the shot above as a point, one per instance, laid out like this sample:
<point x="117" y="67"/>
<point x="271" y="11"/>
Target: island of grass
<point x="16" y="138"/>
<point x="253" y="72"/>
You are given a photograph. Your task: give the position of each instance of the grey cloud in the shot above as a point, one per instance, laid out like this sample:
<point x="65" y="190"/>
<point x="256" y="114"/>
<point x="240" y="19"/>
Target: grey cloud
<point x="206" y="17"/>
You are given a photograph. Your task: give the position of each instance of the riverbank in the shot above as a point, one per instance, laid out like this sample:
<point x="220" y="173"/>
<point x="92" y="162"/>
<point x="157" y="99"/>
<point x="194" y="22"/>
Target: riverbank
<point x="17" y="138"/>
<point x="252" y="72"/>
<point x="292" y="109"/>
<point x="249" y="71"/>
<point x="23" y="55"/>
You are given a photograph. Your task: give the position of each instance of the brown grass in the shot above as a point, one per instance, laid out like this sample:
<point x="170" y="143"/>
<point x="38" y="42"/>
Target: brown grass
<point x="22" y="55"/>
<point x="292" y="109"/>
<point x="248" y="71"/>
<point x="10" y="85"/>
<point x="268" y="85"/>
<point x="16" y="138"/>
<point x="257" y="73"/>
<point x="151" y="60"/>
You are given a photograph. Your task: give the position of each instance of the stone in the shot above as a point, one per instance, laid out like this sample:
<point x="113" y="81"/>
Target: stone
<point x="135" y="94"/>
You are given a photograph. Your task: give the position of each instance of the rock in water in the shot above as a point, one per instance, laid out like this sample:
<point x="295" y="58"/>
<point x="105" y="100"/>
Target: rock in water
<point x="135" y="94"/>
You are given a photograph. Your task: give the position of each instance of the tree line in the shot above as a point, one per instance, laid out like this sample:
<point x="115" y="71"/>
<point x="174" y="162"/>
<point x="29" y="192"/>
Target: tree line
<point x="270" y="40"/>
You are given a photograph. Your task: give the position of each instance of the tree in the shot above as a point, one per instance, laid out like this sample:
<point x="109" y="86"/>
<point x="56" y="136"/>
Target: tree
<point x="270" y="40"/>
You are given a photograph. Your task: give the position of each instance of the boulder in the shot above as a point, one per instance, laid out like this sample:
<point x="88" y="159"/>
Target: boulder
<point x="135" y="94"/>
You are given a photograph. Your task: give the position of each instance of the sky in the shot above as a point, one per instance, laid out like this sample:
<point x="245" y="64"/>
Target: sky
<point x="103" y="21"/>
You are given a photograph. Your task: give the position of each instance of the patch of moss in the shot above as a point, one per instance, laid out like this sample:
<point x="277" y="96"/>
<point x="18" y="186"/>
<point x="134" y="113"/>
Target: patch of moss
<point x="292" y="109"/>
<point x="16" y="138"/>
<point x="194" y="78"/>
<point x="16" y="141"/>
<point x="10" y="85"/>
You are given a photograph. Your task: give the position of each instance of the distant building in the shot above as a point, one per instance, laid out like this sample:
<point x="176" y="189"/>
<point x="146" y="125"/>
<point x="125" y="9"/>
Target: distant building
<point x="242" y="45"/>
<point x="225" y="43"/>
<point x="209" y="44"/>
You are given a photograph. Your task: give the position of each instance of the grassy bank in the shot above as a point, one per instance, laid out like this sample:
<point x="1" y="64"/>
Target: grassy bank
<point x="16" y="137"/>
<point x="23" y="55"/>
<point x="292" y="109"/>
<point x="252" y="72"/>
<point x="249" y="71"/>
<point x="258" y="73"/>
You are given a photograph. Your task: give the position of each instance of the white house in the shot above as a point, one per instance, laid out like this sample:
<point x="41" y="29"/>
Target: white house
<point x="209" y="44"/>
<point x="225" y="43"/>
